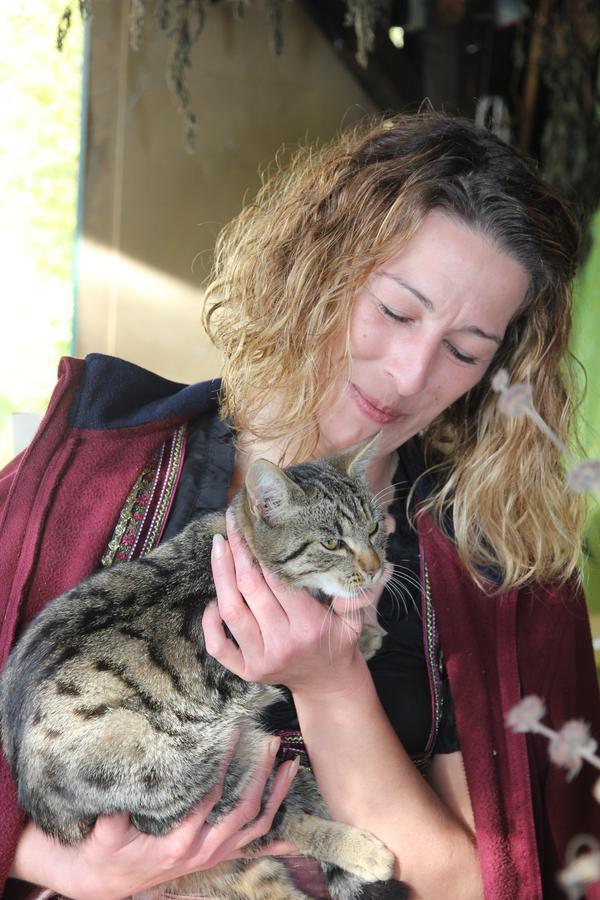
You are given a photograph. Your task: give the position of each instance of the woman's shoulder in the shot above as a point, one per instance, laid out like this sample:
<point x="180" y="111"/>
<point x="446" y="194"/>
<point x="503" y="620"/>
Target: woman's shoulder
<point x="115" y="393"/>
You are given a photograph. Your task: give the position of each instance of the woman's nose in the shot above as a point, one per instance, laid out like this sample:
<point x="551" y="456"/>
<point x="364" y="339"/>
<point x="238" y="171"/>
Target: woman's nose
<point x="410" y="367"/>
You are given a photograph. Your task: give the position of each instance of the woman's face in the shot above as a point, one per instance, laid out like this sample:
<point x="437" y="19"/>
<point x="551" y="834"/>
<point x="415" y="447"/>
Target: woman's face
<point x="424" y="329"/>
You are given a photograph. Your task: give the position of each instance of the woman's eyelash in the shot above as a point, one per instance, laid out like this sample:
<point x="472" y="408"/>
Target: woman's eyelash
<point x="469" y="360"/>
<point x="394" y="315"/>
<point x="461" y="356"/>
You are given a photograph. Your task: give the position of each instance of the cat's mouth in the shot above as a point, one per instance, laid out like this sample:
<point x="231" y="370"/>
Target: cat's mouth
<point x="345" y="604"/>
<point x="354" y="596"/>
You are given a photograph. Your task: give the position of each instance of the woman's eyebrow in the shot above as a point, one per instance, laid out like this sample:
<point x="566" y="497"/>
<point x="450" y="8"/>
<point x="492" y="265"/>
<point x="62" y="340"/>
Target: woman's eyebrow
<point x="420" y="297"/>
<point x="426" y="302"/>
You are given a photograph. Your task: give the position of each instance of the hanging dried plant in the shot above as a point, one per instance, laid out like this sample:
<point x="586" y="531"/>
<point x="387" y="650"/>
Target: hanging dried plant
<point x="184" y="29"/>
<point x="364" y="16"/>
<point x="64" y="25"/>
<point x="570" y="146"/>
<point x="183" y="21"/>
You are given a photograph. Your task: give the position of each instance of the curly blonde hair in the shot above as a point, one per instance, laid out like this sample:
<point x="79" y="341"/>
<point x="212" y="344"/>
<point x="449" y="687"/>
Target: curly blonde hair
<point x="286" y="273"/>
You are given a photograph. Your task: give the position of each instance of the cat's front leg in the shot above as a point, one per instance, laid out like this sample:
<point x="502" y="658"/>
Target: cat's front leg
<point x="371" y="639"/>
<point x="352" y="849"/>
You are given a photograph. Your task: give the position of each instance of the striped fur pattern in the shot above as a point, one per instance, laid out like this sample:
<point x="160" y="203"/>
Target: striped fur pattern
<point x="110" y="702"/>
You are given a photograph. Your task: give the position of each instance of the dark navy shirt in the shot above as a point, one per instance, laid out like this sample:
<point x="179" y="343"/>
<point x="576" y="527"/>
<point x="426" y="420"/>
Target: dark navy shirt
<point x="399" y="668"/>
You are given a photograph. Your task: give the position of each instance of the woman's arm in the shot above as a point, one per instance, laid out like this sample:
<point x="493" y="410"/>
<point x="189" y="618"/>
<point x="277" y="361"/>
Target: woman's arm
<point x="364" y="773"/>
<point x="116" y="860"/>
<point x="447" y="777"/>
<point x="378" y="788"/>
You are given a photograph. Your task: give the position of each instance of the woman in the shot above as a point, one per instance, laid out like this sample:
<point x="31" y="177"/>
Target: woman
<point x="378" y="285"/>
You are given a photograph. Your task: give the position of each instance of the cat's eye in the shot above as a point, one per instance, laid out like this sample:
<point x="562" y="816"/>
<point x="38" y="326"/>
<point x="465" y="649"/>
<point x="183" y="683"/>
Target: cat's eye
<point x="373" y="531"/>
<point x="332" y="544"/>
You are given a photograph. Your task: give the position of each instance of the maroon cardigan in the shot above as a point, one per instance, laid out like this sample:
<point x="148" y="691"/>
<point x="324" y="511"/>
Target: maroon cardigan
<point x="60" y="501"/>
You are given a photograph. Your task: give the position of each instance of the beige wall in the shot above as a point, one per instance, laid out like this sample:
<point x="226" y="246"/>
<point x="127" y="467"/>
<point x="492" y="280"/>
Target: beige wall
<point x="152" y="210"/>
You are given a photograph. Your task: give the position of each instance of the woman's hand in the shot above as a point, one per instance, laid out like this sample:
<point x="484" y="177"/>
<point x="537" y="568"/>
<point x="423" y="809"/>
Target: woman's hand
<point x="281" y="636"/>
<point x="116" y="860"/>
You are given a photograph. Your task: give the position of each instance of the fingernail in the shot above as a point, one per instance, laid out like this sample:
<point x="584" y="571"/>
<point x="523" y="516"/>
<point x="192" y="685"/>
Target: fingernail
<point x="218" y="545"/>
<point x="293" y="769"/>
<point x="273" y="746"/>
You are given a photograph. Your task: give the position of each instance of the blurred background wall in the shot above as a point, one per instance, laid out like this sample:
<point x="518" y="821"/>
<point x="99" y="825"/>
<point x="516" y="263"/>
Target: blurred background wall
<point x="151" y="210"/>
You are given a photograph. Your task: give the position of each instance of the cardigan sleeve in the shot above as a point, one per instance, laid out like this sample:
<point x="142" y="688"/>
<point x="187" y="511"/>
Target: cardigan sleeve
<point x="7" y="477"/>
<point x="9" y="813"/>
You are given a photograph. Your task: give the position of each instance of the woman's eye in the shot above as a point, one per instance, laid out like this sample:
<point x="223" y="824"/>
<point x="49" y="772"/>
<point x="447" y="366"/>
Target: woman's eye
<point x="407" y="320"/>
<point x="373" y="531"/>
<point x="392" y="314"/>
<point x="332" y="544"/>
<point x="470" y="360"/>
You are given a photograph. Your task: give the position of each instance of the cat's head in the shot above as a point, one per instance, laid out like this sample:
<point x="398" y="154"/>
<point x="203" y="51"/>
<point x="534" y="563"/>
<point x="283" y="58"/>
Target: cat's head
<point x="315" y="525"/>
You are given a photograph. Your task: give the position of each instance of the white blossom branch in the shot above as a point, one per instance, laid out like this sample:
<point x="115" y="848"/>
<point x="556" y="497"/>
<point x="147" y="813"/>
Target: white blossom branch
<point x="516" y="400"/>
<point x="572" y="744"/>
<point x="568" y="747"/>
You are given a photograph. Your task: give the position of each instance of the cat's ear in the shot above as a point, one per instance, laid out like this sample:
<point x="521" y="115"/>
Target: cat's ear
<point x="354" y="460"/>
<point x="270" y="492"/>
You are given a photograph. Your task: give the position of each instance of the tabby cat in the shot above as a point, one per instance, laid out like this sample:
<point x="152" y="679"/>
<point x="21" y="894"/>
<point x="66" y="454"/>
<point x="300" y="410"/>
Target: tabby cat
<point x="110" y="702"/>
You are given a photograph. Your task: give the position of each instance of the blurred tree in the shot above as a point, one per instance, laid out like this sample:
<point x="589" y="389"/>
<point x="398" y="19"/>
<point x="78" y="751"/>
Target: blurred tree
<point x="40" y="99"/>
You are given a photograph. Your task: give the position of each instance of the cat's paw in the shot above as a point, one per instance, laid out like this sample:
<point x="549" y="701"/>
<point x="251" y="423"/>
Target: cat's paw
<point x="348" y="848"/>
<point x="369" y="859"/>
<point x="370" y="640"/>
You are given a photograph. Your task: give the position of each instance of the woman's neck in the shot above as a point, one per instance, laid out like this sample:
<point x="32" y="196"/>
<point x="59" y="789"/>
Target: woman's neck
<point x="380" y="471"/>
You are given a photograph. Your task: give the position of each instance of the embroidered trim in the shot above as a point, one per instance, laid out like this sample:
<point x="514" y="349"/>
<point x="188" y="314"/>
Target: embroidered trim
<point x="130" y="517"/>
<point x="164" y="489"/>
<point x="291" y="746"/>
<point x="144" y="514"/>
<point x="432" y="659"/>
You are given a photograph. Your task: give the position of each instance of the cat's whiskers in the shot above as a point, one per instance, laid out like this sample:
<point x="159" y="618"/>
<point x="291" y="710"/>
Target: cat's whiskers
<point x="398" y="598"/>
<point x="328" y="621"/>
<point x="383" y="499"/>
<point x="391" y="488"/>
<point x="351" y="620"/>
<point x="397" y="587"/>
<point x="407" y="574"/>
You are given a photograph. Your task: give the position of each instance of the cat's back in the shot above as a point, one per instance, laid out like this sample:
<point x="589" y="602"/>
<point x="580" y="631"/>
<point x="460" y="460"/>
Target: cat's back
<point x="128" y="636"/>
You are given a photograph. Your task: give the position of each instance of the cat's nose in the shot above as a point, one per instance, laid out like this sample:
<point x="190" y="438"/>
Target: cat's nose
<point x="369" y="563"/>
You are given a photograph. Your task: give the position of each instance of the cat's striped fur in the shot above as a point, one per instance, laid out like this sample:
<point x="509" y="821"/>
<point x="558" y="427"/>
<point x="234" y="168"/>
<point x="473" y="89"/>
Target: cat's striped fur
<point x="110" y="702"/>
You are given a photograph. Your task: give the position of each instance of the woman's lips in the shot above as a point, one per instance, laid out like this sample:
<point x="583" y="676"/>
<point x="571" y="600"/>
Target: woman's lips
<point x="369" y="409"/>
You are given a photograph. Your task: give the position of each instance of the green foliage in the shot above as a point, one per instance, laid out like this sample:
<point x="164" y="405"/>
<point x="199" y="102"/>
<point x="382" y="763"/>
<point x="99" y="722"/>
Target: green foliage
<point x="40" y="96"/>
<point x="586" y="340"/>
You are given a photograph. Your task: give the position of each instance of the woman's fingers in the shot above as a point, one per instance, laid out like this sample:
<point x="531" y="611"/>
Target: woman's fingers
<point x="231" y="591"/>
<point x="248" y="575"/>
<point x="261" y="824"/>
<point x="232" y="610"/>
<point x="293" y="602"/>
<point x="251" y="582"/>
<point x="247" y="821"/>
<point x="218" y="644"/>
<point x="275" y="848"/>
<point x="113" y="832"/>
